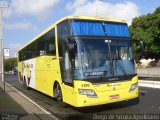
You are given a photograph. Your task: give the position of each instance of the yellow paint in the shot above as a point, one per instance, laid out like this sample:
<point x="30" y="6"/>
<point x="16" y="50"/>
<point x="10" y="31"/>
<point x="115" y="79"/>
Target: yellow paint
<point x="46" y="74"/>
<point x="71" y="96"/>
<point x="47" y="71"/>
<point x="19" y="70"/>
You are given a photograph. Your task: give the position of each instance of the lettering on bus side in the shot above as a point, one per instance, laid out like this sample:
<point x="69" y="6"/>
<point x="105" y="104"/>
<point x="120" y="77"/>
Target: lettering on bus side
<point x="85" y="85"/>
<point x="28" y="66"/>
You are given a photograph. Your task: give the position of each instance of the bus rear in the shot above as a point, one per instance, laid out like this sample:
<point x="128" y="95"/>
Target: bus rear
<point x="96" y="62"/>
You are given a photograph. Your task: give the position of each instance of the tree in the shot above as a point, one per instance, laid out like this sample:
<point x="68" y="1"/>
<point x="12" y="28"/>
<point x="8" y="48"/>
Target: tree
<point x="10" y="63"/>
<point x="147" y="28"/>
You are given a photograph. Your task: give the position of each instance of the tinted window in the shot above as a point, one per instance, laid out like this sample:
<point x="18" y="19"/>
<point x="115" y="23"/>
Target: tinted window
<point x="65" y="64"/>
<point x="44" y="45"/>
<point x="63" y="30"/>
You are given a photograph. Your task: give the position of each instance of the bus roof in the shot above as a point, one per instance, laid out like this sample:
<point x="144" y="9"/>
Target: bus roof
<point x="98" y="18"/>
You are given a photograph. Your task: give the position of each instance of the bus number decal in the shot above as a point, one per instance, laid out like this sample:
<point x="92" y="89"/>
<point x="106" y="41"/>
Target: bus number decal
<point x="85" y="85"/>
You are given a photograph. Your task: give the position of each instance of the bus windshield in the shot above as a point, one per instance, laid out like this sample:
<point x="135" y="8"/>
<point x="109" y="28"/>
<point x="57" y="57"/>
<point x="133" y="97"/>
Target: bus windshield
<point x="92" y="59"/>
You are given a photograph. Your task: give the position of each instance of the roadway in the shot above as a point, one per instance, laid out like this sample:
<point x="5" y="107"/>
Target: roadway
<point x="149" y="103"/>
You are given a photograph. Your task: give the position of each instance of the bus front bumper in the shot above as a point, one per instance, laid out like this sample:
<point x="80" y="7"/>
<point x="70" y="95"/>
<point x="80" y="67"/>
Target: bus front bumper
<point x="105" y="98"/>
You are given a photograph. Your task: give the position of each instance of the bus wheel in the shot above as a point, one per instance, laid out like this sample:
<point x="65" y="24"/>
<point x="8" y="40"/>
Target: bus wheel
<point x="25" y="84"/>
<point x="58" y="95"/>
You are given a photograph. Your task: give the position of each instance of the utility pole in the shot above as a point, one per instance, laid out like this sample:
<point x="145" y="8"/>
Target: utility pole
<point x="1" y="44"/>
<point x="97" y="7"/>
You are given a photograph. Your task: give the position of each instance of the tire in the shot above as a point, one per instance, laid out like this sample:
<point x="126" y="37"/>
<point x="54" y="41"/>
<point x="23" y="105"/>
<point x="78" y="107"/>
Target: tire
<point x="58" y="95"/>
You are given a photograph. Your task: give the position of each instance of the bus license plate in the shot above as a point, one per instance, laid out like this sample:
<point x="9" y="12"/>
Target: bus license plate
<point x="114" y="96"/>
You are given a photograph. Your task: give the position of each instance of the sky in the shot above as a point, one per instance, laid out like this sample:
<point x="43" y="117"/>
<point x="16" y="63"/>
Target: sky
<point x="24" y="19"/>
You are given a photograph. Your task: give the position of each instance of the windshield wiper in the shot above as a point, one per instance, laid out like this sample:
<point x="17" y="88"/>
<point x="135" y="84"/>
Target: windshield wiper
<point x="109" y="49"/>
<point x="110" y="57"/>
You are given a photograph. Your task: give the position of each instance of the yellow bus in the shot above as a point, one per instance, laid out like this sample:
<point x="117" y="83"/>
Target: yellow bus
<point x="81" y="61"/>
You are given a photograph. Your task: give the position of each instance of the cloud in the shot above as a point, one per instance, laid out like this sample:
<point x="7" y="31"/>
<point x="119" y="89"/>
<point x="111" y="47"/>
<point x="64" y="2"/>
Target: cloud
<point x="21" y="26"/>
<point x="32" y="7"/>
<point x="14" y="48"/>
<point x="15" y="45"/>
<point x="75" y="4"/>
<point x="124" y="11"/>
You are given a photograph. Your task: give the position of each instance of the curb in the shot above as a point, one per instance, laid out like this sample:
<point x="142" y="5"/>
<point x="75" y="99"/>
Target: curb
<point x="32" y="102"/>
<point x="148" y="75"/>
<point x="152" y="84"/>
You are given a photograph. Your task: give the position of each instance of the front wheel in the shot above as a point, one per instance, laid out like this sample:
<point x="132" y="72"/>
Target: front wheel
<point x="58" y="95"/>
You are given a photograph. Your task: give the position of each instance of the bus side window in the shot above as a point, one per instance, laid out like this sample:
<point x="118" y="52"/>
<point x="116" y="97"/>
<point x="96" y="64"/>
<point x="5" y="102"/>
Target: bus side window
<point x="65" y="63"/>
<point x="63" y="30"/>
<point x="50" y="42"/>
<point x="46" y="44"/>
<point x="51" y="47"/>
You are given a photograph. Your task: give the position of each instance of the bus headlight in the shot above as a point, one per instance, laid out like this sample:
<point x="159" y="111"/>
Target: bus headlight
<point x="88" y="92"/>
<point x="133" y="87"/>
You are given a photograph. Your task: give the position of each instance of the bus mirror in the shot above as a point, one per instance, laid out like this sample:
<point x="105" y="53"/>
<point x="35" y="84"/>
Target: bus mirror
<point x="142" y="46"/>
<point x="71" y="47"/>
<point x="60" y="58"/>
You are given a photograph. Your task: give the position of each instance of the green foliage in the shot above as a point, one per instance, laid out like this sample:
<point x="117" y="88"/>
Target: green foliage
<point x="10" y="63"/>
<point x="147" y="28"/>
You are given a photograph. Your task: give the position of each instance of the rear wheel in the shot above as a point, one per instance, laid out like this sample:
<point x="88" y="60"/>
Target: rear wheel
<point x="58" y="95"/>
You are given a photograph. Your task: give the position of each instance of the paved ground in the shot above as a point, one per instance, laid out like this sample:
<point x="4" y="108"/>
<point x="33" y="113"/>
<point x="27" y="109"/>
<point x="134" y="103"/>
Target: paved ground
<point x="149" y="81"/>
<point x="14" y="105"/>
<point x="9" y="105"/>
<point x="149" y="103"/>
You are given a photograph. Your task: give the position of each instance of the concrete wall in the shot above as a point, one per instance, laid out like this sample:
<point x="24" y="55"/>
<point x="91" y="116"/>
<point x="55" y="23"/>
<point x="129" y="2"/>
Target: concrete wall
<point x="154" y="71"/>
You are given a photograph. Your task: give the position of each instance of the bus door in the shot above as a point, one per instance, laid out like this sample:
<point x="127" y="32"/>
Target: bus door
<point x="66" y="69"/>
